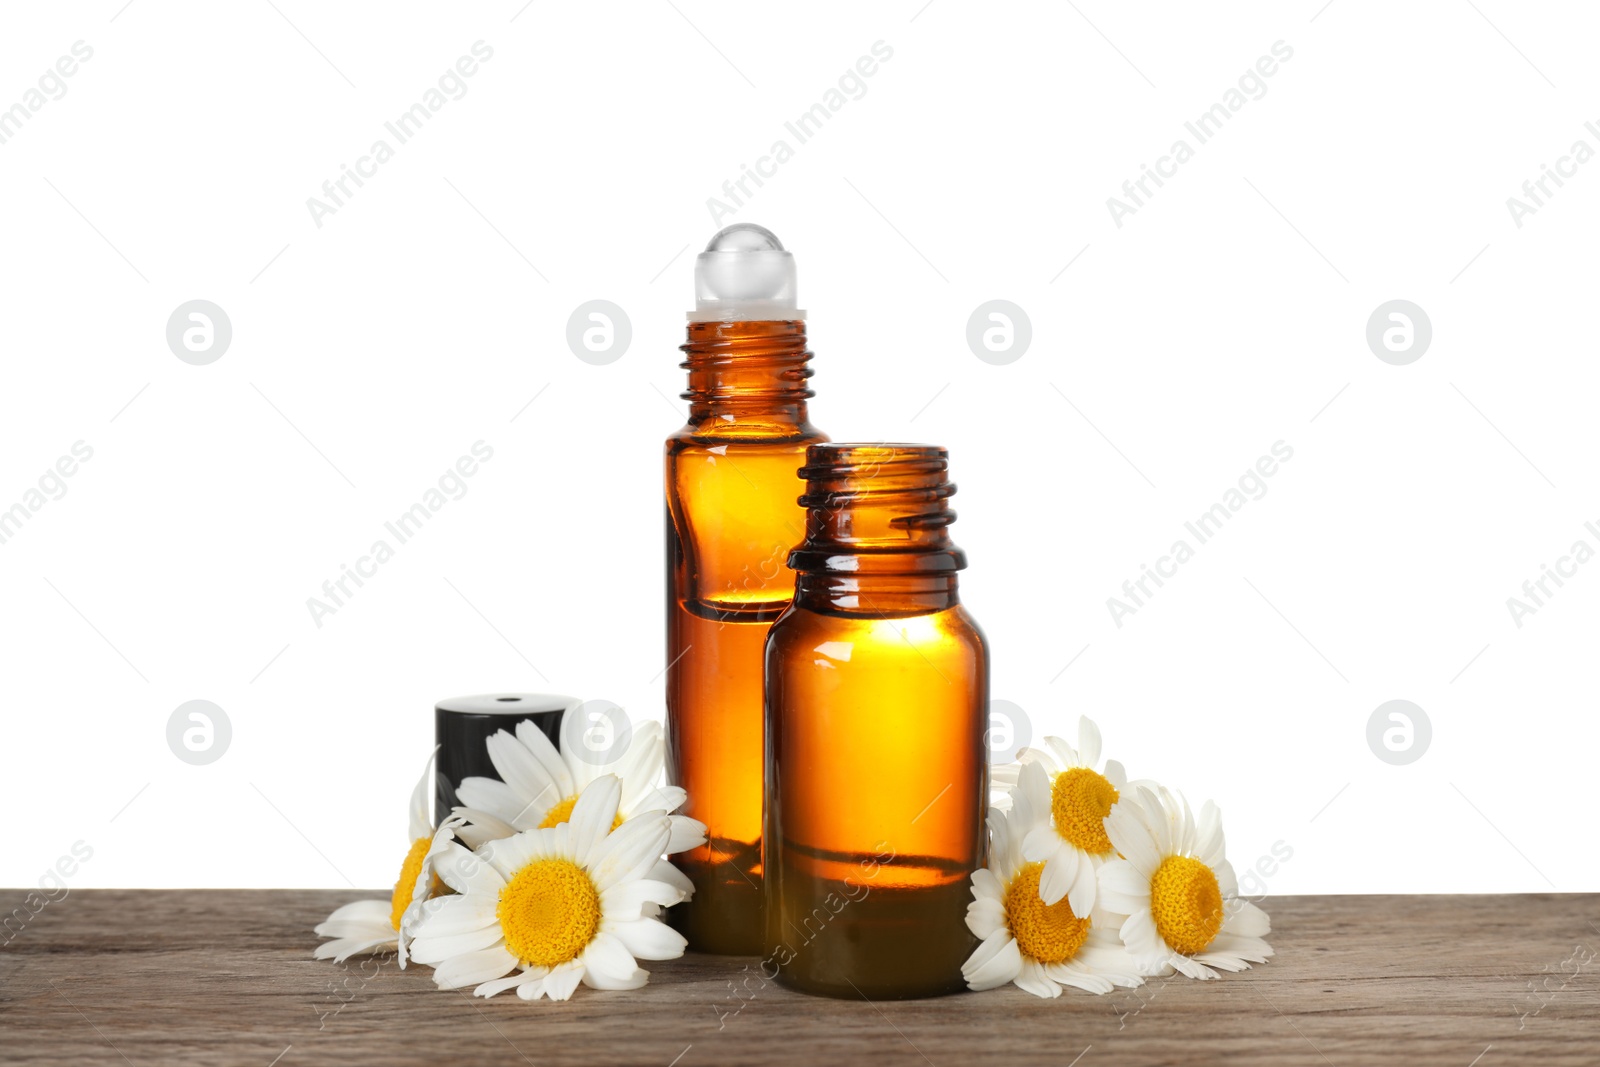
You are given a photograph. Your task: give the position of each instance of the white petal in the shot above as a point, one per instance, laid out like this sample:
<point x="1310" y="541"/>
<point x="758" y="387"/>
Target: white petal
<point x="562" y="980"/>
<point x="1120" y="876"/>
<point x="622" y="903"/>
<point x="1041" y="843"/>
<point x="994" y="963"/>
<point x="1227" y="883"/>
<point x="1221" y="959"/>
<point x="1044" y="756"/>
<point x="606" y="957"/>
<point x="985" y="917"/>
<point x="1245" y="948"/>
<point x="1088" y="741"/>
<point x="473" y="968"/>
<point x="1112" y="963"/>
<point x="345" y="947"/>
<point x="531" y="781"/>
<point x="477" y="834"/>
<point x="1132" y="839"/>
<point x="1189" y="967"/>
<point x="1060" y="873"/>
<point x="435" y="949"/>
<point x="1209" y="845"/>
<point x="666" y="872"/>
<point x="363" y="911"/>
<point x="593" y="815"/>
<point x="1030" y="804"/>
<point x="421" y="824"/>
<point x="534" y="989"/>
<point x="504" y="803"/>
<point x="1065" y="755"/>
<point x="667" y="798"/>
<point x="363" y="929"/>
<point x="1079" y="977"/>
<point x="447" y="915"/>
<point x="540" y="748"/>
<point x="466" y="873"/>
<point x="986" y="885"/>
<point x="1139" y="934"/>
<point x="1246" y="920"/>
<point x="687" y="833"/>
<point x="1080" y="898"/>
<point x="629" y="851"/>
<point x="641" y="765"/>
<point x="1116" y="775"/>
<point x="500" y="985"/>
<point x="1162" y="818"/>
<point x="1005" y="847"/>
<point x="1032" y="979"/>
<point x="649" y="939"/>
<point x="510" y="854"/>
<point x="633" y="981"/>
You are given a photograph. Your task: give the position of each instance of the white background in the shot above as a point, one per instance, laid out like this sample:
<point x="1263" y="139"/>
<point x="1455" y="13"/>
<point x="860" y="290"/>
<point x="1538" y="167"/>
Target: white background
<point x="1227" y="314"/>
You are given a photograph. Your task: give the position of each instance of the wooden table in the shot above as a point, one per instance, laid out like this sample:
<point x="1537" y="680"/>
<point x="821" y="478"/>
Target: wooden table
<point x="226" y="977"/>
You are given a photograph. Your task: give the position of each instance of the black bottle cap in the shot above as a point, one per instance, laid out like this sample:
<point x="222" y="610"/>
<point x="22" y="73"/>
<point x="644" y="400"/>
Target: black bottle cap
<point x="463" y="726"/>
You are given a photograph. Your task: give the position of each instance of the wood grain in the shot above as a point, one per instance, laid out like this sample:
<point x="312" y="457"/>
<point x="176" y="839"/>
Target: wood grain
<point x="226" y="977"/>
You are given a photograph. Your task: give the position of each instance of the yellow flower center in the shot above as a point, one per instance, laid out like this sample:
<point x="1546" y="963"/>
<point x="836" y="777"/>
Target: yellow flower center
<point x="407" y="883"/>
<point x="562" y="812"/>
<point x="1186" y="904"/>
<point x="1049" y="933"/>
<point x="548" y="912"/>
<point x="1080" y="800"/>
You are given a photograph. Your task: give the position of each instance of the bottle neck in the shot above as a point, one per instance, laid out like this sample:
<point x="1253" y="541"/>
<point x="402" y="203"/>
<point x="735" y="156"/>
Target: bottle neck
<point x="883" y="596"/>
<point x="877" y="531"/>
<point x="748" y="379"/>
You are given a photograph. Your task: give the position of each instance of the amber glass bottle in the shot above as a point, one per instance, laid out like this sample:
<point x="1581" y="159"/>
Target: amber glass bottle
<point x="731" y="520"/>
<point x="877" y="692"/>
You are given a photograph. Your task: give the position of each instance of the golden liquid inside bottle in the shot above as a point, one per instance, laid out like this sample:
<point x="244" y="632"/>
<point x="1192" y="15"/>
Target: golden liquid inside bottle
<point x="877" y="701"/>
<point x="731" y="520"/>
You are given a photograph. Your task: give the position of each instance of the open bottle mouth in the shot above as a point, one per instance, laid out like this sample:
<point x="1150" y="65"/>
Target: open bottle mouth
<point x="844" y="469"/>
<point x="877" y="508"/>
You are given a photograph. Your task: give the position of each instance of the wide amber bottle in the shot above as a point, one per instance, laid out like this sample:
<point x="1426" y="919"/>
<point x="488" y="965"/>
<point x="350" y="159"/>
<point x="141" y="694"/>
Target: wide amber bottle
<point x="731" y="520"/>
<point x="877" y="692"/>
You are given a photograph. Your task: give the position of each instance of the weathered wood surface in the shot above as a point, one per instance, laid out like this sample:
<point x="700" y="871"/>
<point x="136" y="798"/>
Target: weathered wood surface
<point x="226" y="977"/>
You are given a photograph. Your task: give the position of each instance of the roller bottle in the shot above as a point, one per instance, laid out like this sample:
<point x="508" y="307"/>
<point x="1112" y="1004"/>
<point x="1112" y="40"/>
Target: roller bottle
<point x="731" y="519"/>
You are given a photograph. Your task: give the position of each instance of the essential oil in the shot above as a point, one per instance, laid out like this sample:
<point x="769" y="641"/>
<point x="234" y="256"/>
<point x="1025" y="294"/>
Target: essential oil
<point x="877" y="690"/>
<point x="731" y="519"/>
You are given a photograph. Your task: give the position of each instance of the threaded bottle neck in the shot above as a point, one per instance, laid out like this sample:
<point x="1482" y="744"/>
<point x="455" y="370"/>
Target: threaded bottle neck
<point x="877" y="529"/>
<point x="747" y="378"/>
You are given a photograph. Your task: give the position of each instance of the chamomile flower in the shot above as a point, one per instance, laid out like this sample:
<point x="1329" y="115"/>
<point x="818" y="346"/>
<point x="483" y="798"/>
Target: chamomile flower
<point x="1175" y="893"/>
<point x="374" y="926"/>
<point x="547" y="908"/>
<point x="1039" y="946"/>
<point x="1077" y="793"/>
<point x="541" y="785"/>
